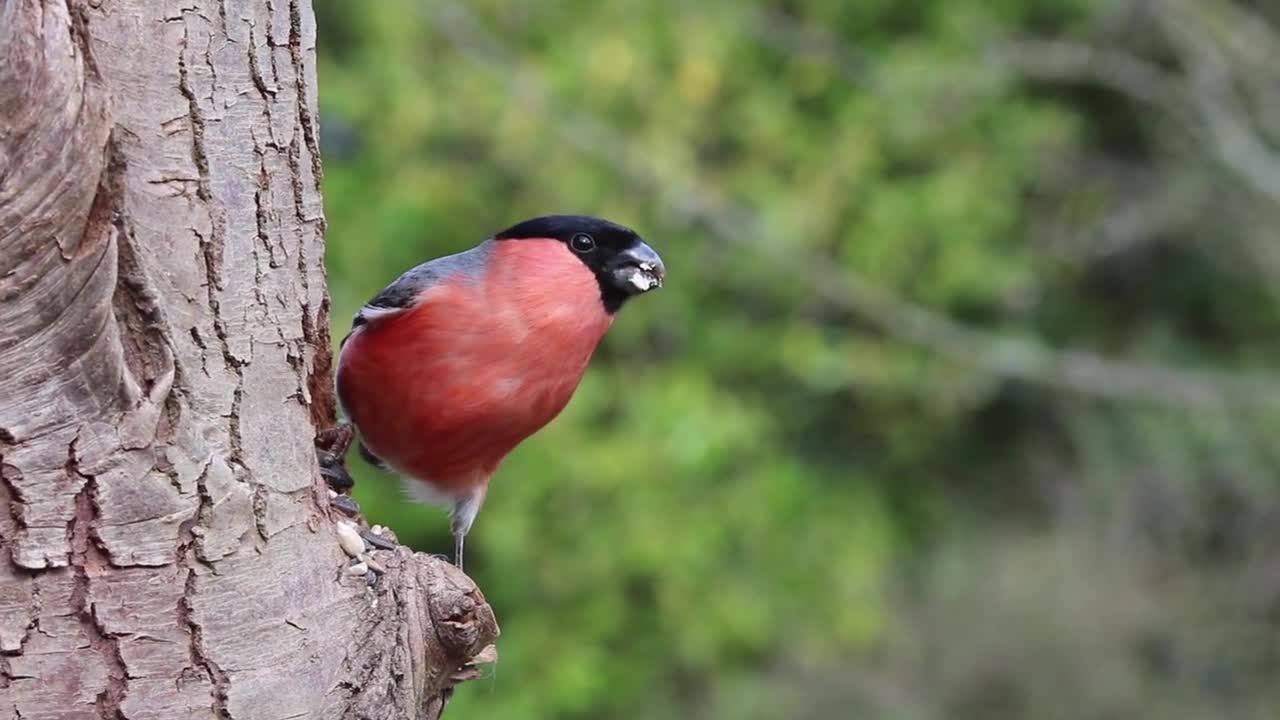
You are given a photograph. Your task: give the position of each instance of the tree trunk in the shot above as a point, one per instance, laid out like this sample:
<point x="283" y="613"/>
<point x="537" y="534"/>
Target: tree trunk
<point x="166" y="546"/>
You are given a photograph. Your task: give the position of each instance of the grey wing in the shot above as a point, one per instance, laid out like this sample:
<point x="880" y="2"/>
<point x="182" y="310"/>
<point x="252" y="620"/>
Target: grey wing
<point x="404" y="293"/>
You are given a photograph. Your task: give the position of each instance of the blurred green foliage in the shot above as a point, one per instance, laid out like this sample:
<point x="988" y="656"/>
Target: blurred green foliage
<point x="781" y="491"/>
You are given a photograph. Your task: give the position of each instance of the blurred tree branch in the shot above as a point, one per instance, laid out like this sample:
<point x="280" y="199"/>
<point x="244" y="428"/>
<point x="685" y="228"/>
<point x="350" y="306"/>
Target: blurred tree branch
<point x="1212" y="88"/>
<point x="1007" y="355"/>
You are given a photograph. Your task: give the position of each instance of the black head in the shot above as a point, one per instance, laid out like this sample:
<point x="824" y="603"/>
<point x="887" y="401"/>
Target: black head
<point x="622" y="262"/>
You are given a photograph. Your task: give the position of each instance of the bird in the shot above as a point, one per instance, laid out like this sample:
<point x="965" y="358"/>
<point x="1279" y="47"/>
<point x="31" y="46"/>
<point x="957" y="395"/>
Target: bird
<point x="462" y="358"/>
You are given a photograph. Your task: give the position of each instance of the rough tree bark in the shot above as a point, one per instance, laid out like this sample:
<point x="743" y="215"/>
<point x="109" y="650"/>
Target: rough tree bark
<point x="166" y="547"/>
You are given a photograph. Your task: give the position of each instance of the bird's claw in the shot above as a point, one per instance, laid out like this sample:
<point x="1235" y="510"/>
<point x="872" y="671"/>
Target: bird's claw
<point x="331" y="452"/>
<point x="336" y="440"/>
<point x="334" y="471"/>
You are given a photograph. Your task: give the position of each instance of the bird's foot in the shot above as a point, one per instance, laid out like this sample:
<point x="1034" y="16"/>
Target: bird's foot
<point x="336" y="440"/>
<point x="331" y="451"/>
<point x="340" y="483"/>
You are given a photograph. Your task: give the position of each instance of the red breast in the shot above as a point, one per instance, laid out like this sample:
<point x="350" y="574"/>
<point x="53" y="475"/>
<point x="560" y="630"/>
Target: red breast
<point x="444" y="391"/>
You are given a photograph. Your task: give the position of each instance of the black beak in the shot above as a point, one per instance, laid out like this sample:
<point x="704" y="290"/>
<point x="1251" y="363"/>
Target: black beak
<point x="639" y="269"/>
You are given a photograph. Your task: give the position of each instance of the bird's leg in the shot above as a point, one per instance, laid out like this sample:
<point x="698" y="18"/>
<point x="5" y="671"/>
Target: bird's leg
<point x="336" y="439"/>
<point x="331" y="451"/>
<point x="464" y="513"/>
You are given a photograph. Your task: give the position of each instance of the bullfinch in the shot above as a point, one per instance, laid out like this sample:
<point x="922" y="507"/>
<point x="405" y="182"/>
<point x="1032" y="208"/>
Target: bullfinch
<point x="454" y="364"/>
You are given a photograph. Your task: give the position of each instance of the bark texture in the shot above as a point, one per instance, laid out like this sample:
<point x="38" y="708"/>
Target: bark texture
<point x="166" y="550"/>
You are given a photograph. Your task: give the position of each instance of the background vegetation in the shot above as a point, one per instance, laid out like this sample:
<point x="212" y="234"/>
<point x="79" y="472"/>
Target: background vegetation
<point x="961" y="400"/>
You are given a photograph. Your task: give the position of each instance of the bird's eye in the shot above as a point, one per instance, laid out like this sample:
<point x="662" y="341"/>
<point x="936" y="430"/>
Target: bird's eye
<point x="582" y="243"/>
